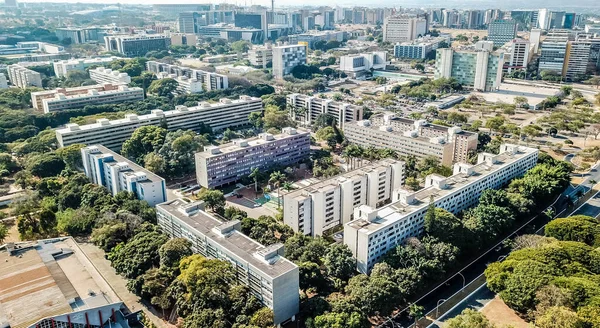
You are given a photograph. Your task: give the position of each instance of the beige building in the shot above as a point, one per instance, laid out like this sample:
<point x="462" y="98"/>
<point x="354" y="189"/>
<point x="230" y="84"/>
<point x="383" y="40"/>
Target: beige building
<point x="409" y="137"/>
<point x="261" y="56"/>
<point x="22" y="77"/>
<point x="402" y="28"/>
<point x="38" y="97"/>
<point x="306" y="109"/>
<point x="63" y="67"/>
<point x="121" y="94"/>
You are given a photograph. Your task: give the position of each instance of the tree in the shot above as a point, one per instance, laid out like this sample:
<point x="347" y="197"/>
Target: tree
<point x="520" y="101"/>
<point x="155" y="163"/>
<point x="277" y="178"/>
<point x="71" y="155"/>
<point x="580" y="228"/>
<point x="558" y="317"/>
<point x="276" y="118"/>
<point x="416" y="312"/>
<point x="109" y="236"/>
<point x="164" y="87"/>
<point x="173" y="251"/>
<point x="412" y="183"/>
<point x="339" y="262"/>
<point x="469" y="319"/>
<point x="215" y="200"/>
<point x="328" y="135"/>
<point x="444" y="226"/>
<point x="143" y="141"/>
<point x="138" y="255"/>
<point x="3" y="233"/>
<point x="255" y="174"/>
<point x="494" y="123"/>
<point x="256" y="119"/>
<point x="45" y="165"/>
<point x="262" y="318"/>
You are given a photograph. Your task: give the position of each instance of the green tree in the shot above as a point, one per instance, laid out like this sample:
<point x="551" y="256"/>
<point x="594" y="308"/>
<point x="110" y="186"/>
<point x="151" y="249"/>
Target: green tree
<point x="173" y="251"/>
<point x="339" y="262"/>
<point x="469" y="319"/>
<point x="138" y="255"/>
<point x="262" y="318"/>
<point x="215" y="200"/>
<point x="163" y="87"/>
<point x="255" y="174"/>
<point x="276" y="118"/>
<point x="71" y="155"/>
<point x="328" y="135"/>
<point x="109" y="236"/>
<point x="143" y="141"/>
<point x="578" y="228"/>
<point x="444" y="226"/>
<point x="416" y="312"/>
<point x="3" y="233"/>
<point x="45" y="165"/>
<point x="155" y="163"/>
<point x="494" y="123"/>
<point x="256" y="119"/>
<point x="559" y="317"/>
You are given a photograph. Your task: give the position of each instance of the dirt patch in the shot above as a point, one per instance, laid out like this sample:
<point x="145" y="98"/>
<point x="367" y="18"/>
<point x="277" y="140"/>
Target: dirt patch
<point x="501" y="315"/>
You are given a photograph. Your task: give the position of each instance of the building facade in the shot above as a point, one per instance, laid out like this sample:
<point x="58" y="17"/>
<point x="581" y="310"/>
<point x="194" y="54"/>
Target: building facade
<point x="225" y="164"/>
<point x="272" y="279"/>
<point x="413" y="138"/>
<point x="553" y="51"/>
<point x="136" y="45"/>
<point x="63" y="67"/>
<point x="519" y="56"/>
<point x="115" y="172"/>
<point x="220" y="116"/>
<point x="374" y="232"/>
<point x="306" y="109"/>
<point x="107" y="75"/>
<point x="421" y="48"/>
<point x="479" y="69"/>
<point x="261" y="56"/>
<point x="209" y="81"/>
<point x="325" y="205"/>
<point x="38" y="96"/>
<point x="23" y="77"/>
<point x="120" y="94"/>
<point x="285" y="58"/>
<point x="360" y="64"/>
<point x="3" y="81"/>
<point x="501" y="31"/>
<point x="403" y="28"/>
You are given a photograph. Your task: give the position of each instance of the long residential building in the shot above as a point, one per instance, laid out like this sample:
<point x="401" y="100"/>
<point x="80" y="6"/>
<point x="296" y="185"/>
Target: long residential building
<point x="219" y="116"/>
<point x="106" y="168"/>
<point x="409" y="137"/>
<point x="475" y="69"/>
<point x="63" y="67"/>
<point x="306" y="109"/>
<point x="61" y="99"/>
<point x="137" y="45"/>
<point x="273" y="279"/>
<point x="23" y="77"/>
<point x="420" y="48"/>
<point x="210" y="81"/>
<point x="327" y="204"/>
<point x="221" y="165"/>
<point x="374" y="232"/>
<point x="107" y="75"/>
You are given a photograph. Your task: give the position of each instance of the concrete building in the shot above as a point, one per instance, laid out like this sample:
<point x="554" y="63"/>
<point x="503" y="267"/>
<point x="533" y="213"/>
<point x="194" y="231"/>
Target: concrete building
<point x="106" y="168"/>
<point x="261" y="56"/>
<point x="306" y="109"/>
<point x="190" y="21"/>
<point x="63" y="67"/>
<point x="360" y="64"/>
<point x="107" y="75"/>
<point x="327" y="204"/>
<point x="209" y="81"/>
<point x="374" y="232"/>
<point x="403" y="28"/>
<point x="22" y="77"/>
<point x="136" y="45"/>
<point x="285" y="58"/>
<point x="484" y="45"/>
<point x="271" y="278"/>
<point x="221" y="165"/>
<point x="521" y="52"/>
<point x="220" y="116"/>
<point x="3" y="81"/>
<point x="313" y="37"/>
<point x="553" y="51"/>
<point x="577" y="59"/>
<point x="185" y="85"/>
<point x="410" y="137"/>
<point x="501" y="31"/>
<point x="475" y="69"/>
<point x="535" y="37"/>
<point x="80" y="35"/>
<point x="119" y="94"/>
<point x="420" y="48"/>
<point x="38" y="96"/>
<point x="180" y="39"/>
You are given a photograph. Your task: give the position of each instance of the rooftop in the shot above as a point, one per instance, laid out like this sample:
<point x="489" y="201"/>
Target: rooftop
<point x="119" y="160"/>
<point x="263" y="258"/>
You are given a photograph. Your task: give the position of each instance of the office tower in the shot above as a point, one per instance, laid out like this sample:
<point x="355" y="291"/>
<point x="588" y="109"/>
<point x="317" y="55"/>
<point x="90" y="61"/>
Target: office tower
<point x="311" y="107"/>
<point x="228" y="163"/>
<point x="556" y="19"/>
<point x="106" y="168"/>
<point x="502" y="31"/>
<point x="403" y="28"/>
<point x="570" y="21"/>
<point x="63" y="99"/>
<point x="285" y="58"/>
<point x="22" y="77"/>
<point x="191" y="21"/>
<point x="10" y="3"/>
<point x="80" y="35"/>
<point x="308" y="23"/>
<point x="421" y="48"/>
<point x="577" y="60"/>
<point x="543" y="19"/>
<point x="136" y="45"/>
<point x="553" y="51"/>
<point x="374" y="232"/>
<point x="474" y="19"/>
<point x="358" y="65"/>
<point x="476" y="69"/>
<point x="271" y="278"/>
<point x="327" y="204"/>
<point x="253" y="20"/>
<point x="209" y="81"/>
<point x="534" y="38"/>
<point x="412" y="138"/>
<point x="526" y="19"/>
<point x="219" y="116"/>
<point x="520" y="55"/>
<point x="450" y="18"/>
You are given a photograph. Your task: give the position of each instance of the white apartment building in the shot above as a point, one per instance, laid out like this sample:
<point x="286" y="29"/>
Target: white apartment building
<point x="107" y="75"/>
<point x="306" y="109"/>
<point x="521" y="52"/>
<point x="360" y="64"/>
<point x="121" y="94"/>
<point x="219" y="116"/>
<point x="38" y="96"/>
<point x="22" y="77"/>
<point x="409" y="137"/>
<point x="63" y="67"/>
<point x="220" y="165"/>
<point x="273" y="279"/>
<point x="285" y="58"/>
<point x="322" y="206"/>
<point x="374" y="232"/>
<point x="3" y="81"/>
<point x="420" y="48"/>
<point x="209" y="81"/>
<point x="184" y="83"/>
<point x="534" y="37"/>
<point x="260" y="56"/>
<point x="401" y="28"/>
<point x="115" y="172"/>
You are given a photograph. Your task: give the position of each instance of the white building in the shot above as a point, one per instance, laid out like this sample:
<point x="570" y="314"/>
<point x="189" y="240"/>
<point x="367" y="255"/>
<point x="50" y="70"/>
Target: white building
<point x="535" y="37"/>
<point x="137" y="45"/>
<point x="420" y="48"/>
<point x="63" y="67"/>
<point x="3" y="81"/>
<point x="306" y="109"/>
<point x="273" y="279"/>
<point x="121" y="94"/>
<point x="360" y="64"/>
<point x="184" y="83"/>
<point x="553" y="51"/>
<point x="115" y="172"/>
<point x="285" y="58"/>
<point x="224" y="114"/>
<point x="261" y="56"/>
<point x="376" y="231"/>
<point x="220" y="165"/>
<point x="484" y="45"/>
<point x="107" y="75"/>
<point x="38" y="96"/>
<point x="475" y="69"/>
<point x="403" y="28"/>
<point x="327" y="204"/>
<point x="521" y="52"/>
<point x="209" y="81"/>
<point x="22" y="77"/>
<point x="409" y="137"/>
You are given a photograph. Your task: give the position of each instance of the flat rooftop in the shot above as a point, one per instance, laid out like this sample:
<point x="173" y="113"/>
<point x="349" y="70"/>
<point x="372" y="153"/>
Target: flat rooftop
<point x="235" y="242"/>
<point x="48" y="278"/>
<point x="507" y="92"/>
<point x="134" y="168"/>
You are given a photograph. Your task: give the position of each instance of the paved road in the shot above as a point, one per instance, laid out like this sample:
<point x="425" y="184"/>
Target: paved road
<point x="590" y="208"/>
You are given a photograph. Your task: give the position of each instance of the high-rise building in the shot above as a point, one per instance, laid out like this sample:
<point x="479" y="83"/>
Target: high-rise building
<point x="403" y="28"/>
<point x="10" y="3"/>
<point x="534" y="37"/>
<point x="374" y="232"/>
<point x="271" y="278"/>
<point x="327" y="204"/>
<point x="502" y="31"/>
<point x="553" y="51"/>
<point x="520" y="55"/>
<point x="476" y="69"/>
<point x="80" y="35"/>
<point x="136" y="45"/>
<point x="556" y="19"/>
<point x="421" y="48"/>
<point x="191" y="21"/>
<point x="285" y="58"/>
<point x="63" y="67"/>
<point x="308" y="23"/>
<point x="577" y="60"/>
<point x="253" y="20"/>
<point x="450" y="18"/>
<point x="474" y="19"/>
<point x="22" y="77"/>
<point x="225" y="164"/>
<point x="115" y="172"/>
<point x="306" y="109"/>
<point x="261" y="56"/>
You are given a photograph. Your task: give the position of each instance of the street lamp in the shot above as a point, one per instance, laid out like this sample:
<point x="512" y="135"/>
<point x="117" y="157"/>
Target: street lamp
<point x="464" y="281"/>
<point x="437" y="307"/>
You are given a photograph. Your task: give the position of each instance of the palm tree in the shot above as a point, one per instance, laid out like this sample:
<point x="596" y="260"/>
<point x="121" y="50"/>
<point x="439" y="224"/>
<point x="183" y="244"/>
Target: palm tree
<point x="350" y="153"/>
<point x="371" y="153"/>
<point x="255" y="174"/>
<point x="277" y="178"/>
<point x="287" y="186"/>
